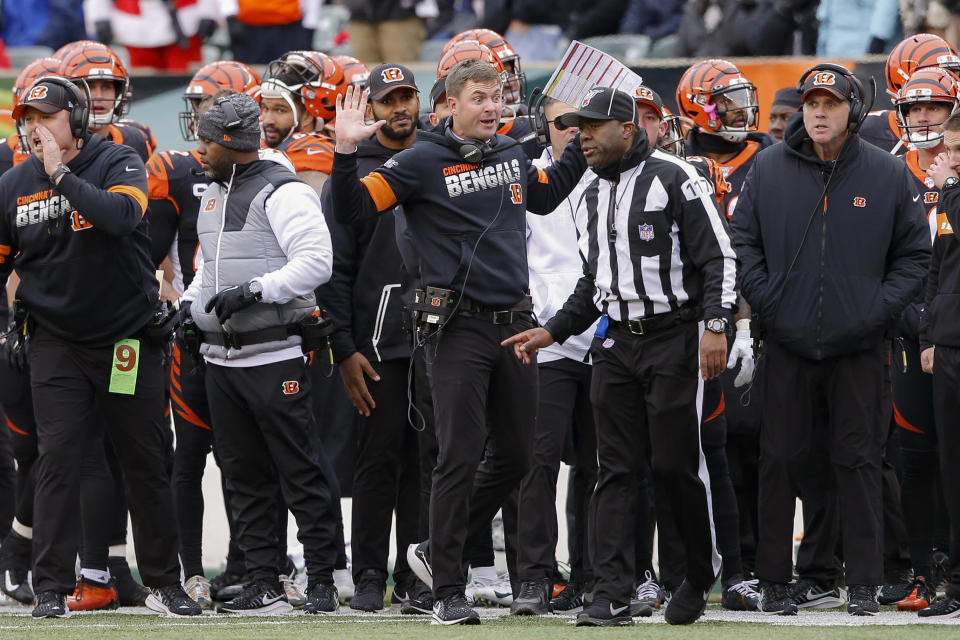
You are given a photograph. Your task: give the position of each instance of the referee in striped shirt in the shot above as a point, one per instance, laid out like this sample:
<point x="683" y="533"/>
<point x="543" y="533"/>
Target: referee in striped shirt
<point x="659" y="263"/>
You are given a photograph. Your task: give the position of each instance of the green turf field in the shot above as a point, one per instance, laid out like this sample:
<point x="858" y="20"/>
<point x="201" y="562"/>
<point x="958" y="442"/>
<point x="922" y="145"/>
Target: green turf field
<point x="716" y="625"/>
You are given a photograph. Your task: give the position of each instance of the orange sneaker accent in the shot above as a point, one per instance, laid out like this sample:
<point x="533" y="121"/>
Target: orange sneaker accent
<point x="913" y="602"/>
<point x="89" y="596"/>
<point x="557" y="589"/>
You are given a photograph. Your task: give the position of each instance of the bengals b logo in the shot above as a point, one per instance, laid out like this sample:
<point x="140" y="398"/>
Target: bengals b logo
<point x="644" y="93"/>
<point x="393" y="74"/>
<point x="516" y="193"/>
<point x="291" y="387"/>
<point x="859" y="202"/>
<point x="211" y="204"/>
<point x="825" y="78"/>
<point x="38" y="93"/>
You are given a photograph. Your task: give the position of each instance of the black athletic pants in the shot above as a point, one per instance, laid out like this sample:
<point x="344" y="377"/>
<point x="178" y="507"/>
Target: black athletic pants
<point x="564" y="404"/>
<point x="387" y="477"/>
<point x="846" y="394"/>
<point x="946" y="408"/>
<point x="262" y="419"/>
<point x="70" y="392"/>
<point x="646" y="393"/>
<point x="479" y="389"/>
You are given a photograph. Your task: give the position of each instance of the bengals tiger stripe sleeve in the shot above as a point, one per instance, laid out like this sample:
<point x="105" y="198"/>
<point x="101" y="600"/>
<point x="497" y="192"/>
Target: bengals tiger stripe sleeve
<point x="117" y="205"/>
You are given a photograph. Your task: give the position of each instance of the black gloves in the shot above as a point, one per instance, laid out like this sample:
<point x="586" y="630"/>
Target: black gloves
<point x="104" y="31"/>
<point x="16" y="349"/>
<point x="188" y="335"/>
<point x="232" y="299"/>
<point x="206" y="28"/>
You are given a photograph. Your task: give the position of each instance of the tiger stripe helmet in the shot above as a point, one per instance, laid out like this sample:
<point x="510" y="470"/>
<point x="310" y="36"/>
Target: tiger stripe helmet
<point x="672" y="140"/>
<point x="310" y="77"/>
<point x="718" y="99"/>
<point x="70" y="46"/>
<point x="919" y="51"/>
<point x="931" y="84"/>
<point x="515" y="87"/>
<point x="210" y="78"/>
<point x="39" y="68"/>
<point x="469" y="50"/>
<point x="93" y="61"/>
<point x="354" y="71"/>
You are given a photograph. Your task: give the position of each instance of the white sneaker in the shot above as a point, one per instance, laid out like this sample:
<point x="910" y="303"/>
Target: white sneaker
<point x="198" y="588"/>
<point x="497" y="592"/>
<point x="295" y="595"/>
<point x="344" y="583"/>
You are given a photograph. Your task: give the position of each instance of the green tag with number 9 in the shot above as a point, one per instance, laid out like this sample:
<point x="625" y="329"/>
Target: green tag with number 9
<point x="126" y="362"/>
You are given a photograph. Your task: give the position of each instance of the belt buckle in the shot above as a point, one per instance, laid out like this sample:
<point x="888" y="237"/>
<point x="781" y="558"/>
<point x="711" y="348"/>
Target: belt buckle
<point x="635" y="327"/>
<point x="502" y="317"/>
<point x="231" y="340"/>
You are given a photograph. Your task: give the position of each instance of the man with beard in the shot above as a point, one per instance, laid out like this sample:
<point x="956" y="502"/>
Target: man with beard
<point x="366" y="294"/>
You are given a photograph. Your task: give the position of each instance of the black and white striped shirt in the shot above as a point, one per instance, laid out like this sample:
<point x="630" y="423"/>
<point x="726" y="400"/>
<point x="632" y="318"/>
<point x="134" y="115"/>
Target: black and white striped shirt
<point x="655" y="241"/>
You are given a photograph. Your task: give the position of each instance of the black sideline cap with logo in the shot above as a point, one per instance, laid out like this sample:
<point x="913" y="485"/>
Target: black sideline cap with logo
<point x="386" y="77"/>
<point x="47" y="97"/>
<point x="831" y="81"/>
<point x="602" y="104"/>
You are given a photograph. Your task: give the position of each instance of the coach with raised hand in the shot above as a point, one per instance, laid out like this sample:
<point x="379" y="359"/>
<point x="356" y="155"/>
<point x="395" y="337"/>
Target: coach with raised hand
<point x="72" y="226"/>
<point x="465" y="192"/>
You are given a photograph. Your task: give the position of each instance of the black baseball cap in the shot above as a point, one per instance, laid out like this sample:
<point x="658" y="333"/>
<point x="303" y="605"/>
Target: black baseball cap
<point x="438" y="91"/>
<point x="649" y="97"/>
<point x="45" y="96"/>
<point x="602" y="103"/>
<point x="787" y="97"/>
<point x="386" y="77"/>
<point x="827" y="80"/>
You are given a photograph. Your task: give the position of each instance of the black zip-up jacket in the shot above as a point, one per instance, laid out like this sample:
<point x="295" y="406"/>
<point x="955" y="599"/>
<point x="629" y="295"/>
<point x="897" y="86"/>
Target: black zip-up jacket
<point x="84" y="252"/>
<point x="369" y="286"/>
<point x="864" y="256"/>
<point x="467" y="221"/>
<point x="940" y="320"/>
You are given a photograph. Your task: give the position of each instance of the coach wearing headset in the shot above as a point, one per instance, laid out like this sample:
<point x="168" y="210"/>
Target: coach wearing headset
<point x="833" y="244"/>
<point x="72" y="226"/>
<point x="465" y="193"/>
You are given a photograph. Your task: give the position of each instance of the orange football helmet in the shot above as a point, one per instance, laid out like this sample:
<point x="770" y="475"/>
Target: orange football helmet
<point x="210" y="78"/>
<point x="515" y="87"/>
<point x="718" y="99"/>
<point x="469" y="50"/>
<point x="354" y="71"/>
<point x="93" y="61"/>
<point x="918" y="52"/>
<point x="39" y="68"/>
<point x="673" y="140"/>
<point x="311" y="77"/>
<point x="67" y="48"/>
<point x="931" y="84"/>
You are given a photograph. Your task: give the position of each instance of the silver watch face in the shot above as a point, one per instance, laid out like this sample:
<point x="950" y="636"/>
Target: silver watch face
<point x="256" y="287"/>
<point x="716" y="325"/>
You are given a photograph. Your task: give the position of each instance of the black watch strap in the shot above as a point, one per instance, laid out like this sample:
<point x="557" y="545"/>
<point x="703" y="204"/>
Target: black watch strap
<point x="59" y="171"/>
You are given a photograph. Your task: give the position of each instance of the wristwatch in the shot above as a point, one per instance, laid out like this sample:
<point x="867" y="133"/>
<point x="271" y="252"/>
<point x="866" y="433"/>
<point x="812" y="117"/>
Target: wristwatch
<point x="950" y="183"/>
<point x="256" y="289"/>
<point x="59" y="171"/>
<point x="717" y="325"/>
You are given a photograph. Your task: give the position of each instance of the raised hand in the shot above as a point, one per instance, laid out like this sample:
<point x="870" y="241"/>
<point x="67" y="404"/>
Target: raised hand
<point x="352" y="126"/>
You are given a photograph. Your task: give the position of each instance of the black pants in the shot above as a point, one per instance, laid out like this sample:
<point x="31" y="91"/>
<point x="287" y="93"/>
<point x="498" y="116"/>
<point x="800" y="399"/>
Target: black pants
<point x="387" y="476"/>
<point x="946" y="408"/>
<point x="646" y="393"/>
<point x="846" y="394"/>
<point x="479" y="389"/>
<point x="564" y="405"/>
<point x="261" y="421"/>
<point x="70" y="388"/>
<point x="427" y="447"/>
<point x="17" y="401"/>
<point x="8" y="481"/>
<point x="261" y="44"/>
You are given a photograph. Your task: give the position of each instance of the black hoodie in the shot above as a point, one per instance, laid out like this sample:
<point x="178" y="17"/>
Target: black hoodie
<point x="369" y="286"/>
<point x="84" y="253"/>
<point x="862" y="260"/>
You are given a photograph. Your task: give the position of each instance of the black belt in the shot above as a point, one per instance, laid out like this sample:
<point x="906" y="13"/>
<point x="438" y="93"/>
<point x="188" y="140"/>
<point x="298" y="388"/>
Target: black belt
<point x="652" y="324"/>
<point x="238" y="340"/>
<point x="491" y="314"/>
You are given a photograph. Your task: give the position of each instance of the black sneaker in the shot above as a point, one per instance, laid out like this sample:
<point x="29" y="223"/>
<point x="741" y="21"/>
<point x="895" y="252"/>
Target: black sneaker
<point x="130" y="592"/>
<point x="172" y="600"/>
<point x="16" y="584"/>
<point x="323" y="598"/>
<point x="896" y="588"/>
<point x="863" y="600"/>
<point x="15" y="568"/>
<point x="775" y="599"/>
<point x="740" y="595"/>
<point x="807" y="593"/>
<point x="603" y="612"/>
<point x="453" y="610"/>
<point x="533" y="599"/>
<point x="371" y="587"/>
<point x="418" y="557"/>
<point x="686" y="605"/>
<point x="50" y="604"/>
<point x="570" y="600"/>
<point x="944" y="607"/>
<point x="261" y="597"/>
<point x="414" y="597"/>
<point x="228" y="585"/>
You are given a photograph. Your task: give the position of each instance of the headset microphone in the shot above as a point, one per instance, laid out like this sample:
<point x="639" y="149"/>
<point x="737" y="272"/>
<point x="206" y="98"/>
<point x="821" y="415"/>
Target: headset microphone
<point x="476" y="153"/>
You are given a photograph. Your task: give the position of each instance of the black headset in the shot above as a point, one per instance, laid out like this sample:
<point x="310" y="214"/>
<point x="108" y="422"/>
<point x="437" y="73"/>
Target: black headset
<point x="470" y="149"/>
<point x="859" y="104"/>
<point x="233" y="118"/>
<point x="80" y="112"/>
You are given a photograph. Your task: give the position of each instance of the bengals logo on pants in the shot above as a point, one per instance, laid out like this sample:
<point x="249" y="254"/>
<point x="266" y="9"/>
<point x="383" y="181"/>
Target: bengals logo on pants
<point x="291" y="387"/>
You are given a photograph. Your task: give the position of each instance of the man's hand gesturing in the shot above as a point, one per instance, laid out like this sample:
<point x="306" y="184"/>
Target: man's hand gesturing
<point x="352" y="124"/>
